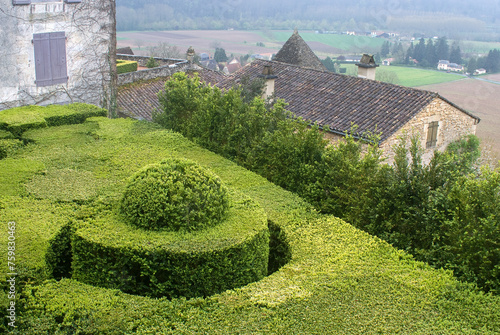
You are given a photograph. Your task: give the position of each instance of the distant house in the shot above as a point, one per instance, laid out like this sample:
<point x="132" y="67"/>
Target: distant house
<point x="352" y="58"/>
<point x="124" y="51"/>
<point x="479" y="71"/>
<point x="57" y="52"/>
<point x="445" y="65"/>
<point x="204" y="57"/>
<point x="387" y="61"/>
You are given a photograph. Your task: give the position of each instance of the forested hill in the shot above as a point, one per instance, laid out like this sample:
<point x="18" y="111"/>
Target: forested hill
<point x="446" y="15"/>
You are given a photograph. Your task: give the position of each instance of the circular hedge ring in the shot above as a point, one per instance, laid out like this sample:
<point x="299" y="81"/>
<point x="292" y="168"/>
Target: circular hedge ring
<point x="110" y="253"/>
<point x="175" y="195"/>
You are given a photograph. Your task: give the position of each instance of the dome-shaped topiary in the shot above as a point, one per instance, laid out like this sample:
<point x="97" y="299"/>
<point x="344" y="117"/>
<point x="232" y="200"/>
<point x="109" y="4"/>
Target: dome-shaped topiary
<point x="175" y="195"/>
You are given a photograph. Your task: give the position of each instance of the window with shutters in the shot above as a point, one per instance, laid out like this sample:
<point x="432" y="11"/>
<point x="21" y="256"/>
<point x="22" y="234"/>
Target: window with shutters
<point x="50" y="58"/>
<point x="27" y="2"/>
<point x="432" y="132"/>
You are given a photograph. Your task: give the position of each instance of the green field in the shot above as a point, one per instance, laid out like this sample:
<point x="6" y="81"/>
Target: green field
<point x="409" y="76"/>
<point x="343" y="42"/>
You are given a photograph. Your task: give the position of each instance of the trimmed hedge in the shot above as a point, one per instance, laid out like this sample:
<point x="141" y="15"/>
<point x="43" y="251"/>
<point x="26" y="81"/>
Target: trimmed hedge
<point x="110" y="253"/>
<point x="174" y="195"/>
<point x="5" y="135"/>
<point x="20" y="119"/>
<point x="338" y="280"/>
<point x="124" y="66"/>
<point x="8" y="146"/>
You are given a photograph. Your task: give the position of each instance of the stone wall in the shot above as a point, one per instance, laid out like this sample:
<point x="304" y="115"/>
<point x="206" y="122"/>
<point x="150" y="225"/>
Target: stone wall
<point x="167" y="67"/>
<point x="453" y="124"/>
<point x="89" y="28"/>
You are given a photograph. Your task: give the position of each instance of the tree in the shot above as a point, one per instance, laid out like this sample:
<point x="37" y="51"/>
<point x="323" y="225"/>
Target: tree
<point x="328" y="63"/>
<point x="419" y="51"/>
<point x="385" y="49"/>
<point x="492" y="63"/>
<point x="472" y="65"/>
<point x="456" y="54"/>
<point x="220" y="55"/>
<point x="442" y="49"/>
<point x="430" y="58"/>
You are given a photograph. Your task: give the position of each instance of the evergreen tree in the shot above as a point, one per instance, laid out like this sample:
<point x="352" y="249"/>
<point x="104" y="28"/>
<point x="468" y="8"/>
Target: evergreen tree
<point x="220" y="55"/>
<point x="409" y="53"/>
<point x="430" y="58"/>
<point x="472" y="65"/>
<point x="419" y="52"/>
<point x="456" y="54"/>
<point x="492" y="64"/>
<point x="442" y="49"/>
<point x="384" y="51"/>
<point x="328" y="63"/>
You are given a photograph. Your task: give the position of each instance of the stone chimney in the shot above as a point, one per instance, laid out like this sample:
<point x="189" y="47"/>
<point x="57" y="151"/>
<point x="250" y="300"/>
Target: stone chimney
<point x="367" y="67"/>
<point x="190" y="55"/>
<point x="268" y="75"/>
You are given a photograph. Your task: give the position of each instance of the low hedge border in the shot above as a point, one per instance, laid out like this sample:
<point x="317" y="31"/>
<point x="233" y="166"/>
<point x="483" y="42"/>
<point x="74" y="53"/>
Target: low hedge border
<point x="20" y="119"/>
<point x="108" y="252"/>
<point x="124" y="66"/>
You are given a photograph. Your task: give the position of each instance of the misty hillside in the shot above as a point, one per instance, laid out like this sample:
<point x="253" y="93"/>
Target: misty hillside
<point x="476" y="18"/>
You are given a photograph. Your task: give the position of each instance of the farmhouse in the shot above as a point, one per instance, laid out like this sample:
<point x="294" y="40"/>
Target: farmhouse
<point x="57" y="52"/>
<point x="445" y="65"/>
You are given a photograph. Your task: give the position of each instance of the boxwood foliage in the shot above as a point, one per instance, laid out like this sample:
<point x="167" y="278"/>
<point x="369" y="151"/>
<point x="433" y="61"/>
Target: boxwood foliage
<point x="124" y="66"/>
<point x="338" y="280"/>
<point x="175" y="194"/>
<point x="110" y="253"/>
<point x="20" y="119"/>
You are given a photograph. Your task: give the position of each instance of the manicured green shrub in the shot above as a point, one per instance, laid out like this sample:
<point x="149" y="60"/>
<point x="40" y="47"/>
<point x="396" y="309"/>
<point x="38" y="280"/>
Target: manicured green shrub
<point x="5" y="135"/>
<point x="18" y="120"/>
<point x="15" y="172"/>
<point x="152" y="63"/>
<point x="175" y="195"/>
<point x="124" y="66"/>
<point x="8" y="146"/>
<point x="110" y="253"/>
<point x="64" y="185"/>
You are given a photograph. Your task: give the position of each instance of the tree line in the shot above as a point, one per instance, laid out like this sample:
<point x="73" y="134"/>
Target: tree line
<point x="446" y="213"/>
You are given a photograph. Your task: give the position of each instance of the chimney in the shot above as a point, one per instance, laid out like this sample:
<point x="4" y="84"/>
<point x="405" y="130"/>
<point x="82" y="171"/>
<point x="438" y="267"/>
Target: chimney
<point x="268" y="75"/>
<point x="367" y="67"/>
<point x="190" y="55"/>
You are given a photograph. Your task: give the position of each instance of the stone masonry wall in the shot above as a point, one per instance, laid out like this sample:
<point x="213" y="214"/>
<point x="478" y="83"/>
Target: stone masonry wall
<point x="167" y="67"/>
<point x="89" y="29"/>
<point x="453" y="124"/>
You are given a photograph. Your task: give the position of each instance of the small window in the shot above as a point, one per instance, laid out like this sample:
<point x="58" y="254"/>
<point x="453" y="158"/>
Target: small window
<point x="50" y="58"/>
<point x="432" y="134"/>
<point x="21" y="2"/>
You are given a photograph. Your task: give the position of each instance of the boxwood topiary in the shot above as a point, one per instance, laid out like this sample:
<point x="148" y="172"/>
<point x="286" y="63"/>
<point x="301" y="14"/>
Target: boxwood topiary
<point x="108" y="252"/>
<point x="176" y="194"/>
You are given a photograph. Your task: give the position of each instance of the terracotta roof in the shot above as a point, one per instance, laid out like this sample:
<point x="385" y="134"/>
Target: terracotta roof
<point x="139" y="100"/>
<point x="296" y="51"/>
<point x="339" y="101"/>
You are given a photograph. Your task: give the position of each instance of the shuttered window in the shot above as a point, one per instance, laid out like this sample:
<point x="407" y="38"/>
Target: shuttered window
<point x="21" y="2"/>
<point x="50" y="58"/>
<point x="72" y="1"/>
<point x="432" y="134"/>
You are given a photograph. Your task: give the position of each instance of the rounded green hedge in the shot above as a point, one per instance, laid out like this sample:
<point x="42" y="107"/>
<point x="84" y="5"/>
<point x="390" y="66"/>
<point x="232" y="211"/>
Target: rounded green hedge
<point x="110" y="253"/>
<point x="175" y="194"/>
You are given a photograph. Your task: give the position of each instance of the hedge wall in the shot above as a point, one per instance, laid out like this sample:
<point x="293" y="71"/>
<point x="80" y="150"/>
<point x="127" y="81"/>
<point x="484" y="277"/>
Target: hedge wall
<point x="124" y="66"/>
<point x="338" y="280"/>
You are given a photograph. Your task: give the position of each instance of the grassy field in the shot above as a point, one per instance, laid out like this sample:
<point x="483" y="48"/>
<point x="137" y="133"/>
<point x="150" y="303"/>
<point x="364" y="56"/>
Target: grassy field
<point x="408" y="76"/>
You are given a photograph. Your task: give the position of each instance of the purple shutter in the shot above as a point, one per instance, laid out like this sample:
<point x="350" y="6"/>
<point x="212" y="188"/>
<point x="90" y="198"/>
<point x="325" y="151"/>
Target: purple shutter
<point x="43" y="73"/>
<point x="21" y="2"/>
<point x="50" y="58"/>
<point x="58" y="58"/>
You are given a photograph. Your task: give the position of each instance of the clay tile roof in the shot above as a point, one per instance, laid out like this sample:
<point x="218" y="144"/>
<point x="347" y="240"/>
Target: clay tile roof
<point x="139" y="100"/>
<point x="338" y="100"/>
<point x="296" y="51"/>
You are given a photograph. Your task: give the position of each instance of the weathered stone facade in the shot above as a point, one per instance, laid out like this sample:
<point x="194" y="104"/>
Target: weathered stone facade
<point x="453" y="123"/>
<point x="89" y="30"/>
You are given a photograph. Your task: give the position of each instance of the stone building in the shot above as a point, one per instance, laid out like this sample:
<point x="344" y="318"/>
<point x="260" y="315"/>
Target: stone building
<point x="337" y="102"/>
<point x="57" y="52"/>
